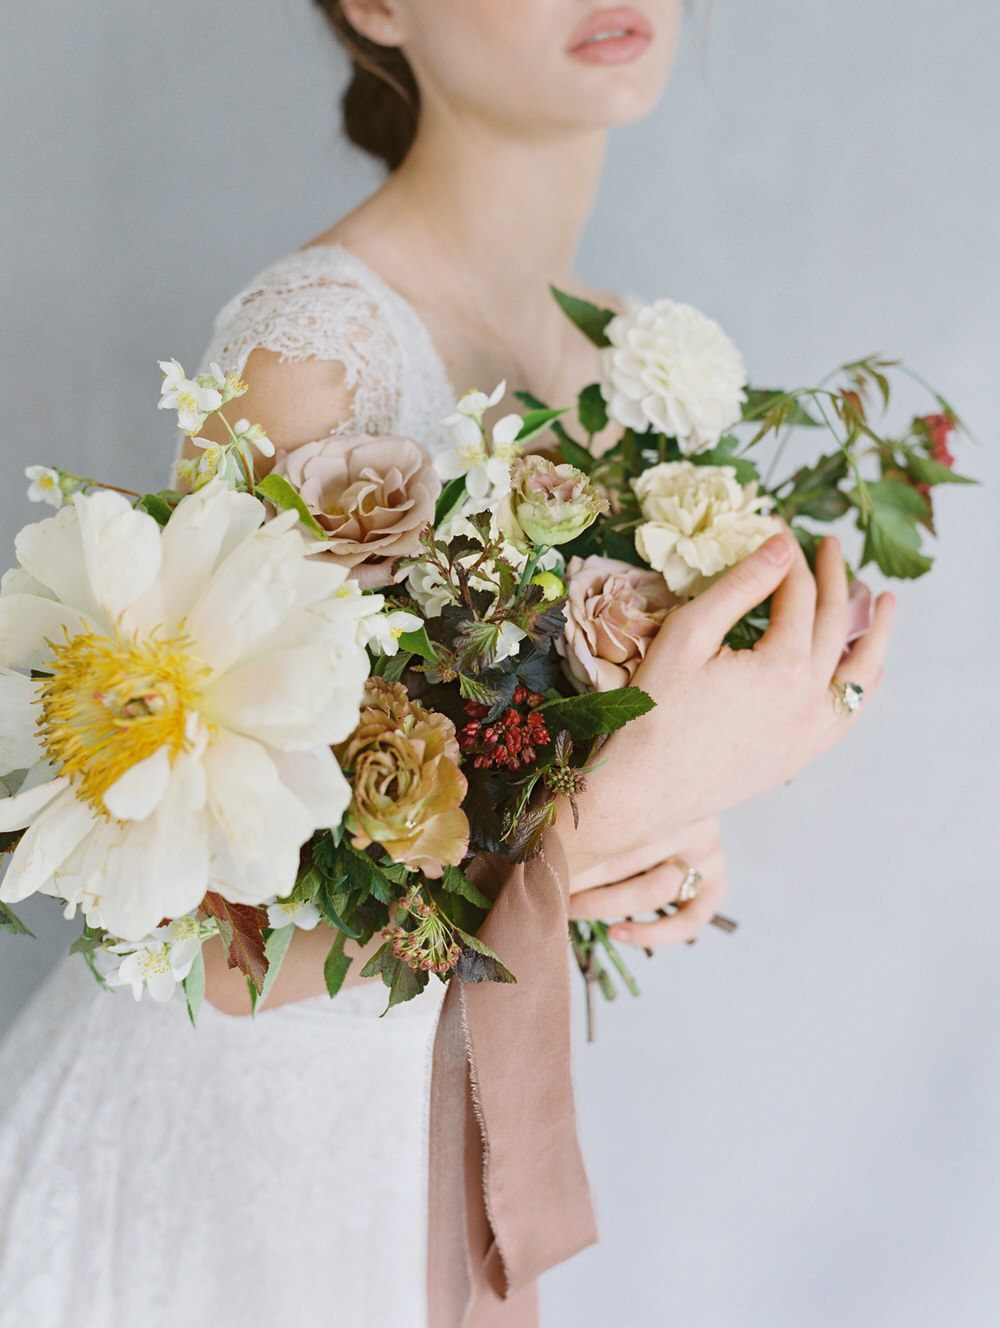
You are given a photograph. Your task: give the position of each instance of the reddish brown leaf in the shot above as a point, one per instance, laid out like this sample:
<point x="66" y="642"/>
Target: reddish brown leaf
<point x="243" y="929"/>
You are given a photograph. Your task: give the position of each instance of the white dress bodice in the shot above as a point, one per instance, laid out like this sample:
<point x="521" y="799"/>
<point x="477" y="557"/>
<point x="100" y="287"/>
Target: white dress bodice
<point x="268" y="1171"/>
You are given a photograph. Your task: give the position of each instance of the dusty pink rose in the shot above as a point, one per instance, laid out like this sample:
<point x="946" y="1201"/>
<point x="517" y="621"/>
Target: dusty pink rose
<point x="613" y="612"/>
<point x="373" y="495"/>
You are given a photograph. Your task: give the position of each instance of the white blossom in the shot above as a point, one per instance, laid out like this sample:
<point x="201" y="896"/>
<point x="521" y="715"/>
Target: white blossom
<point x="194" y="399"/>
<point x="483" y="457"/>
<point x="45" y="486"/>
<point x="383" y="630"/>
<point x="293" y="912"/>
<point x="221" y="657"/>
<point x="159" y="961"/>
<point x="671" y="369"/>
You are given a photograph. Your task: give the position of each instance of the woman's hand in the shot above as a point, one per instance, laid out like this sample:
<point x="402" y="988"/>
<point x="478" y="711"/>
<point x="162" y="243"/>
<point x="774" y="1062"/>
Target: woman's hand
<point x="656" y="885"/>
<point x="728" y="724"/>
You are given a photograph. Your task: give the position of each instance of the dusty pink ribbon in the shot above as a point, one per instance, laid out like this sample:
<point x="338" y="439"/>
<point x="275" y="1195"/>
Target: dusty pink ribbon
<point x="508" y="1193"/>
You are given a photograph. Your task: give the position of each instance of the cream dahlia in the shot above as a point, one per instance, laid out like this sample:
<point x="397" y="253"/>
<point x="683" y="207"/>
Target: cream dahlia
<point x="671" y="369"/>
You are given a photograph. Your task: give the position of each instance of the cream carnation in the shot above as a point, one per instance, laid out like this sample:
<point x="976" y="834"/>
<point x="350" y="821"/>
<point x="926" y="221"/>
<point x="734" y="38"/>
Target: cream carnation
<point x="698" y="521"/>
<point x="671" y="369"/>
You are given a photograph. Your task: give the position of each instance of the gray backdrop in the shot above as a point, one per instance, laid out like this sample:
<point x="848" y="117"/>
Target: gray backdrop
<point x="796" y="1127"/>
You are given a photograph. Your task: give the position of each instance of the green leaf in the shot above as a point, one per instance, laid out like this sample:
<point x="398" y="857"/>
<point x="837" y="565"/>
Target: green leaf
<point x="815" y="490"/>
<point x="762" y="399"/>
<point x="455" y="882"/>
<point x="590" y="319"/>
<point x="194" y="988"/>
<point x="592" y="409"/>
<point x="536" y="422"/>
<point x="332" y="916"/>
<point x="419" y="643"/>
<point x="890" y="522"/>
<point x="277" y="490"/>
<point x="926" y="471"/>
<point x="275" y="949"/>
<point x="367" y="875"/>
<point x="157" y="508"/>
<point x="337" y="964"/>
<point x="723" y="454"/>
<point x="449" y="497"/>
<point x="597" y="712"/>
<point x="10" y="922"/>
<point x="576" y="455"/>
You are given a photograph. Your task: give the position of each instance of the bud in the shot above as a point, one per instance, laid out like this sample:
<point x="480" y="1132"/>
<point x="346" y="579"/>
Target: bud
<point x="548" y="503"/>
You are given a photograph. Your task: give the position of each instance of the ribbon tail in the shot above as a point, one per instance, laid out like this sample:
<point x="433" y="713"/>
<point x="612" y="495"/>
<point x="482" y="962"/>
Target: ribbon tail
<point x="509" y="1196"/>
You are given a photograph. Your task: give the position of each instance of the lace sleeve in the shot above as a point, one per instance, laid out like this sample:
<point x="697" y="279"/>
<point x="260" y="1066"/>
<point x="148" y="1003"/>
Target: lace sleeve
<point x="312" y="305"/>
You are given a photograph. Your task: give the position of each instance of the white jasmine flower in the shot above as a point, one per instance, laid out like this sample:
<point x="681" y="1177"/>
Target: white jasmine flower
<point x="197" y="676"/>
<point x="161" y="960"/>
<point x="255" y="436"/>
<point x="671" y="369"/>
<point x="193" y="399"/>
<point x="229" y="385"/>
<point x="509" y="641"/>
<point x="483" y="459"/>
<point x="45" y="486"/>
<point x="293" y="912"/>
<point x="698" y="522"/>
<point x="384" y="629"/>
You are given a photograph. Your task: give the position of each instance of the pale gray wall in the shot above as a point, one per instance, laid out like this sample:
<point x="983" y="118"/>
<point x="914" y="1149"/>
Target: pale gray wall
<point x="796" y="1127"/>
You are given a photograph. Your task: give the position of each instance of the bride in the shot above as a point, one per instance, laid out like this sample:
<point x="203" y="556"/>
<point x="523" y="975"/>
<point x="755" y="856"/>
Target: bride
<point x="274" y="1170"/>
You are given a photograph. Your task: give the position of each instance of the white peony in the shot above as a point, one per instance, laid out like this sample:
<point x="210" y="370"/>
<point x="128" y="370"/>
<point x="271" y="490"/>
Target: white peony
<point x="189" y="683"/>
<point x="698" y="521"/>
<point x="672" y="370"/>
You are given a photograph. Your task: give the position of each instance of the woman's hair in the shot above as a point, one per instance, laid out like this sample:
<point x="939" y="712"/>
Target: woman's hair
<point x="382" y="102"/>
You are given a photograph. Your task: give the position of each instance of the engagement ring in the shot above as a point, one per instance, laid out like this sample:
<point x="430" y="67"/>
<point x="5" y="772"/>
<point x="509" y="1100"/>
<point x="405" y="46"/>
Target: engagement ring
<point x="847" y="696"/>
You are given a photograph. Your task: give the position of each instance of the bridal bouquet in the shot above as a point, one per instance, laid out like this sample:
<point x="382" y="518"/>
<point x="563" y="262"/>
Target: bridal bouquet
<point x="311" y="698"/>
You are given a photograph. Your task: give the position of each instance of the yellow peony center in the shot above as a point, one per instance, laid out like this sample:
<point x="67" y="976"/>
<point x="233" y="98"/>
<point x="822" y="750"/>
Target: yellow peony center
<point x="111" y="703"/>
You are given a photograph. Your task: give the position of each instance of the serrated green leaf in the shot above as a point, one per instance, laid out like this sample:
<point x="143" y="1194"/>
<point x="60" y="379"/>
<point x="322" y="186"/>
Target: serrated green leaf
<point x="762" y="399"/>
<point x="332" y="916"/>
<point x="10" y="922"/>
<point x="815" y="490"/>
<point x="592" y="409"/>
<point x="455" y="882"/>
<point x="277" y="490"/>
<point x="590" y="319"/>
<point x="890" y="524"/>
<point x="723" y="454"/>
<point x="194" y="988"/>
<point x="336" y="965"/>
<point x="926" y="471"/>
<point x="595" y="713"/>
<point x="478" y="963"/>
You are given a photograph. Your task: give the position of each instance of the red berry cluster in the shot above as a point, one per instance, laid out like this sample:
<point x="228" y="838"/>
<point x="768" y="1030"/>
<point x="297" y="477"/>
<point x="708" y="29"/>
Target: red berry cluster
<point x="512" y="741"/>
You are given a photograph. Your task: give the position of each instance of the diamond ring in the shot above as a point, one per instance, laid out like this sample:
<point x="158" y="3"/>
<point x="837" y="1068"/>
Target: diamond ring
<point x="689" y="887"/>
<point x="847" y="696"/>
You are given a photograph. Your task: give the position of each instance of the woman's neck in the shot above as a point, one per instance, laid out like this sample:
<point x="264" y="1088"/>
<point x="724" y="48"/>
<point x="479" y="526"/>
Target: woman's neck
<point x="497" y="205"/>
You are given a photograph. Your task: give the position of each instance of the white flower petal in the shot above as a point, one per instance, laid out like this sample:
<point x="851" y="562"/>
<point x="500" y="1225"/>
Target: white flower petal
<point x="139" y="791"/>
<point x="27" y="622"/>
<point x="19" y="745"/>
<point x="20" y="810"/>
<point x="317" y="781"/>
<point x="52" y="552"/>
<point x="47" y="844"/>
<point x="121" y="551"/>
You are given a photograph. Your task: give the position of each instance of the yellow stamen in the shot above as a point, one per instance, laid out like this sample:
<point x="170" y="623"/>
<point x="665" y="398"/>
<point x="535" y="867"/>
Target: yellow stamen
<point x="111" y="703"/>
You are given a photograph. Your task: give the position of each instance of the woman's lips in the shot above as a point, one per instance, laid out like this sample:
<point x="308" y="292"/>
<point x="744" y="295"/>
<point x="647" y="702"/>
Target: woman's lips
<point x="611" y="37"/>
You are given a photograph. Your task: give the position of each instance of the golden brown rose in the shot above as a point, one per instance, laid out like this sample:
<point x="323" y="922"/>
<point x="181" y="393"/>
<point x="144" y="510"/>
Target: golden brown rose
<point x="402" y="762"/>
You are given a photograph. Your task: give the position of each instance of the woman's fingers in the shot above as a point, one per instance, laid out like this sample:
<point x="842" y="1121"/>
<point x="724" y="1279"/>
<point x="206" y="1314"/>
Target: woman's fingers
<point x="639" y="894"/>
<point x="684" y="925"/>
<point x="863" y="661"/>
<point x="704" y="622"/>
<point x="832" y="612"/>
<point x="793" y="608"/>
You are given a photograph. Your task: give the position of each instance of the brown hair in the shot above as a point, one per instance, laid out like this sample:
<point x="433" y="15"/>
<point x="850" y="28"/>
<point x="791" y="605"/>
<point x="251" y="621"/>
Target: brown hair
<point x="382" y="101"/>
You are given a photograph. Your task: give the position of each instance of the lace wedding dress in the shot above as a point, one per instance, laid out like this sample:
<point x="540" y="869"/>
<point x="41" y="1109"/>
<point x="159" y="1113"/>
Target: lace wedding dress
<point x="268" y="1171"/>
